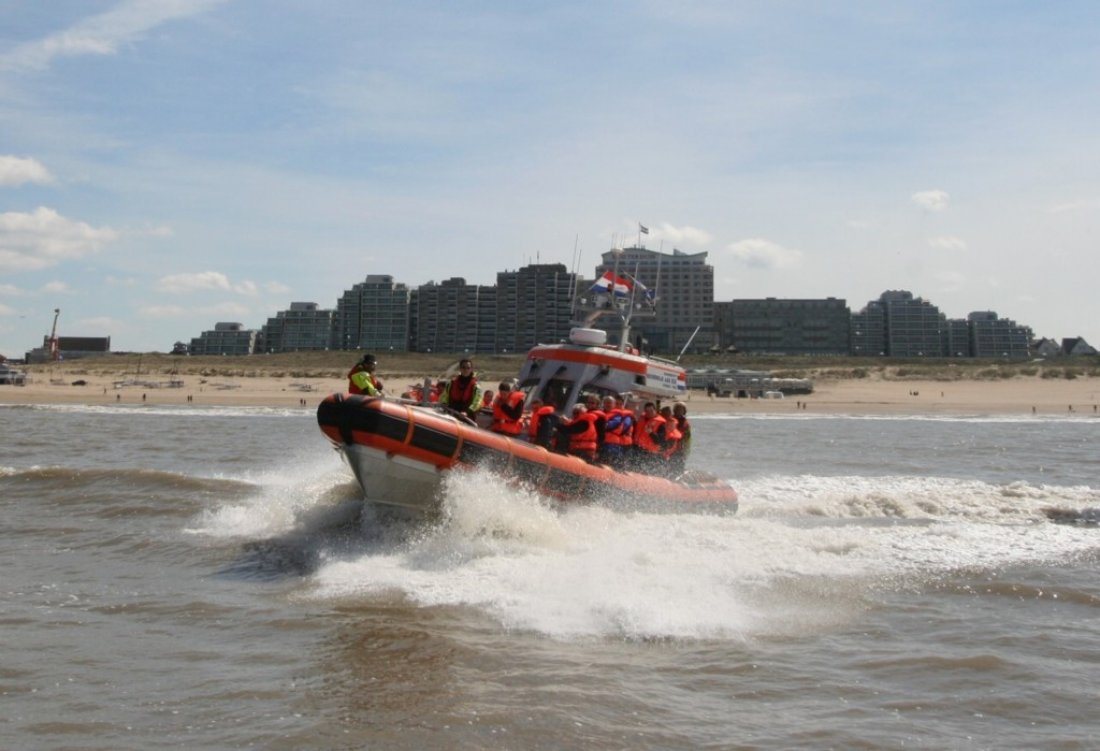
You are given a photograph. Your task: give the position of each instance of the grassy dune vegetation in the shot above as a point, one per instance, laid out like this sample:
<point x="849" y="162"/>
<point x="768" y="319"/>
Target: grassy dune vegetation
<point x="333" y="364"/>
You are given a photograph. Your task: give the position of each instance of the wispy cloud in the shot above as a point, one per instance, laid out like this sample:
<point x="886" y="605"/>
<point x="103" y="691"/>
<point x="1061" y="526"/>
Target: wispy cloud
<point x="931" y="200"/>
<point x="102" y="34"/>
<point x="43" y="238"/>
<point x="163" y="311"/>
<point x="764" y="254"/>
<point x="204" y="281"/>
<point x="16" y="170"/>
<point x="947" y="243"/>
<point x="685" y="235"/>
<point x="1083" y="204"/>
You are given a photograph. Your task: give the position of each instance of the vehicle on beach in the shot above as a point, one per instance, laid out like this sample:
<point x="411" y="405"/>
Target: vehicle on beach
<point x="401" y="449"/>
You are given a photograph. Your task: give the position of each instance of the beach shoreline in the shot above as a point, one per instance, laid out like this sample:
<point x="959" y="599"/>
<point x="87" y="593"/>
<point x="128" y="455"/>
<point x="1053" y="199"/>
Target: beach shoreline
<point x="1020" y="395"/>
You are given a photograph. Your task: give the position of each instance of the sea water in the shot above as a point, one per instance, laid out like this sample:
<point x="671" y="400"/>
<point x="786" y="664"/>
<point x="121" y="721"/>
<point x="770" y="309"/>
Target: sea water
<point x="209" y="578"/>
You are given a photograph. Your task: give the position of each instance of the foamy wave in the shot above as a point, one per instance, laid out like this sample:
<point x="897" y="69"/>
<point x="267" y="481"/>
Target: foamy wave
<point x="905" y="497"/>
<point x="284" y="493"/>
<point x="805" y="554"/>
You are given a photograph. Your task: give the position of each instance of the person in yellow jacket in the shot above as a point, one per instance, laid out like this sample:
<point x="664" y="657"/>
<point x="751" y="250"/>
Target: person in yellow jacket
<point x="361" y="378"/>
<point x="463" y="394"/>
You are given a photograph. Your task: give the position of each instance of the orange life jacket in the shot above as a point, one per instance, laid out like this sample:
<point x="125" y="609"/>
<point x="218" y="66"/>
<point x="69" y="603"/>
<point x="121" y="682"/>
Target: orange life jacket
<point x="502" y="421"/>
<point x="673" y="438"/>
<point x="583" y="443"/>
<point x="535" y="420"/>
<point x="459" y="395"/>
<point x="643" y="434"/>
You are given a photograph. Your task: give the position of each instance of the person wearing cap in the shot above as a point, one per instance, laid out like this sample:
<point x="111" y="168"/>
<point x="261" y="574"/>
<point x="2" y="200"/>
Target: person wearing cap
<point x="361" y="378"/>
<point x="507" y="410"/>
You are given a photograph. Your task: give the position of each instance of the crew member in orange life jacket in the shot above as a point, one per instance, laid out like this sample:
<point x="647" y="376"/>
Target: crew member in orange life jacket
<point x="541" y="424"/>
<point x="463" y="394"/>
<point x="671" y="441"/>
<point x="678" y="459"/>
<point x="507" y="411"/>
<point x="581" y="433"/>
<point x="649" y="440"/>
<point x="361" y="378"/>
<point x="618" y="425"/>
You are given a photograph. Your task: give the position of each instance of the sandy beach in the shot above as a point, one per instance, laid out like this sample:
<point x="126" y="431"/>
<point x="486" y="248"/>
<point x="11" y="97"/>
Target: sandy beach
<point x="1020" y="395"/>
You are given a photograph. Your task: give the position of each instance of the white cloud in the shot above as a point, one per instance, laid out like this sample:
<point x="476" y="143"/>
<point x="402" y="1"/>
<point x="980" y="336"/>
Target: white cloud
<point x="11" y="290"/>
<point x="227" y="309"/>
<point x="947" y="243"/>
<point x="44" y="238"/>
<point x="5" y="310"/>
<point x="205" y="281"/>
<point x="931" y="200"/>
<point x="756" y="252"/>
<point x="163" y="311"/>
<point x="55" y="287"/>
<point x="276" y="288"/>
<point x="102" y="34"/>
<point x="951" y="281"/>
<point x="681" y="235"/>
<point x="246" y="288"/>
<point x="16" y="170"/>
<point x="1084" y="204"/>
<point x="178" y="284"/>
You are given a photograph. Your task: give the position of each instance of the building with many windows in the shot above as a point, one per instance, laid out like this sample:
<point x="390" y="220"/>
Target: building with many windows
<point x="533" y="306"/>
<point x="373" y="315"/>
<point x="225" y="339"/>
<point x="452" y="316"/>
<point x="991" y="336"/>
<point x="901" y="325"/>
<point x="671" y="296"/>
<point x="782" y="326"/>
<point x="914" y="327"/>
<point x="683" y="287"/>
<point x="303" y="327"/>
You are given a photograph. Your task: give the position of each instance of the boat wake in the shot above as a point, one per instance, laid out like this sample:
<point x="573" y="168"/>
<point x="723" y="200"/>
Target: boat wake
<point x="806" y="554"/>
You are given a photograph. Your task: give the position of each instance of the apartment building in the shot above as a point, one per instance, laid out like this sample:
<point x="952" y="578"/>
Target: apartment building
<point x="373" y="315"/>
<point x="683" y="285"/>
<point x="452" y="316"/>
<point x="991" y="336"/>
<point x="533" y="306"/>
<point x="305" y="326"/>
<point x="226" y="338"/>
<point x="784" y="326"/>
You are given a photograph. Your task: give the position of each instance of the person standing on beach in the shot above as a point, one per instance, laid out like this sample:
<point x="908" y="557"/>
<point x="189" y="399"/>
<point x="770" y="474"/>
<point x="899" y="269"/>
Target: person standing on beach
<point x="361" y="378"/>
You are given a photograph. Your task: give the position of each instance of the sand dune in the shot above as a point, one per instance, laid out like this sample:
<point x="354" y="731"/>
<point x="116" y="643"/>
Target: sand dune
<point x="874" y="395"/>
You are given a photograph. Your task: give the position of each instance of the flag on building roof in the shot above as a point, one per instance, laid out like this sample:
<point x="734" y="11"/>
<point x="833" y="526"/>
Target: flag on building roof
<point x="643" y="229"/>
<point x="611" y="284"/>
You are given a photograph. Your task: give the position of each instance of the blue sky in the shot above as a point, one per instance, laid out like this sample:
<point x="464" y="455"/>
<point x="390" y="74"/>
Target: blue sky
<point x="167" y="164"/>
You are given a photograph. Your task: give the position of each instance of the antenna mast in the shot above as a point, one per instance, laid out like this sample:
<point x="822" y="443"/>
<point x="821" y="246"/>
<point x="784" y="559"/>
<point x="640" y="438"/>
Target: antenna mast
<point x="52" y="344"/>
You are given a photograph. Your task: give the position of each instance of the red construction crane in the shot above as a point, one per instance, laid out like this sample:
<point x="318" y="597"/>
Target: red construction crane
<point x="55" y="350"/>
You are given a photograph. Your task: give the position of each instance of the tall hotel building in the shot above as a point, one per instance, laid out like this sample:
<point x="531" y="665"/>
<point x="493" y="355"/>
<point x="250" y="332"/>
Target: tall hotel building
<point x="684" y="286"/>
